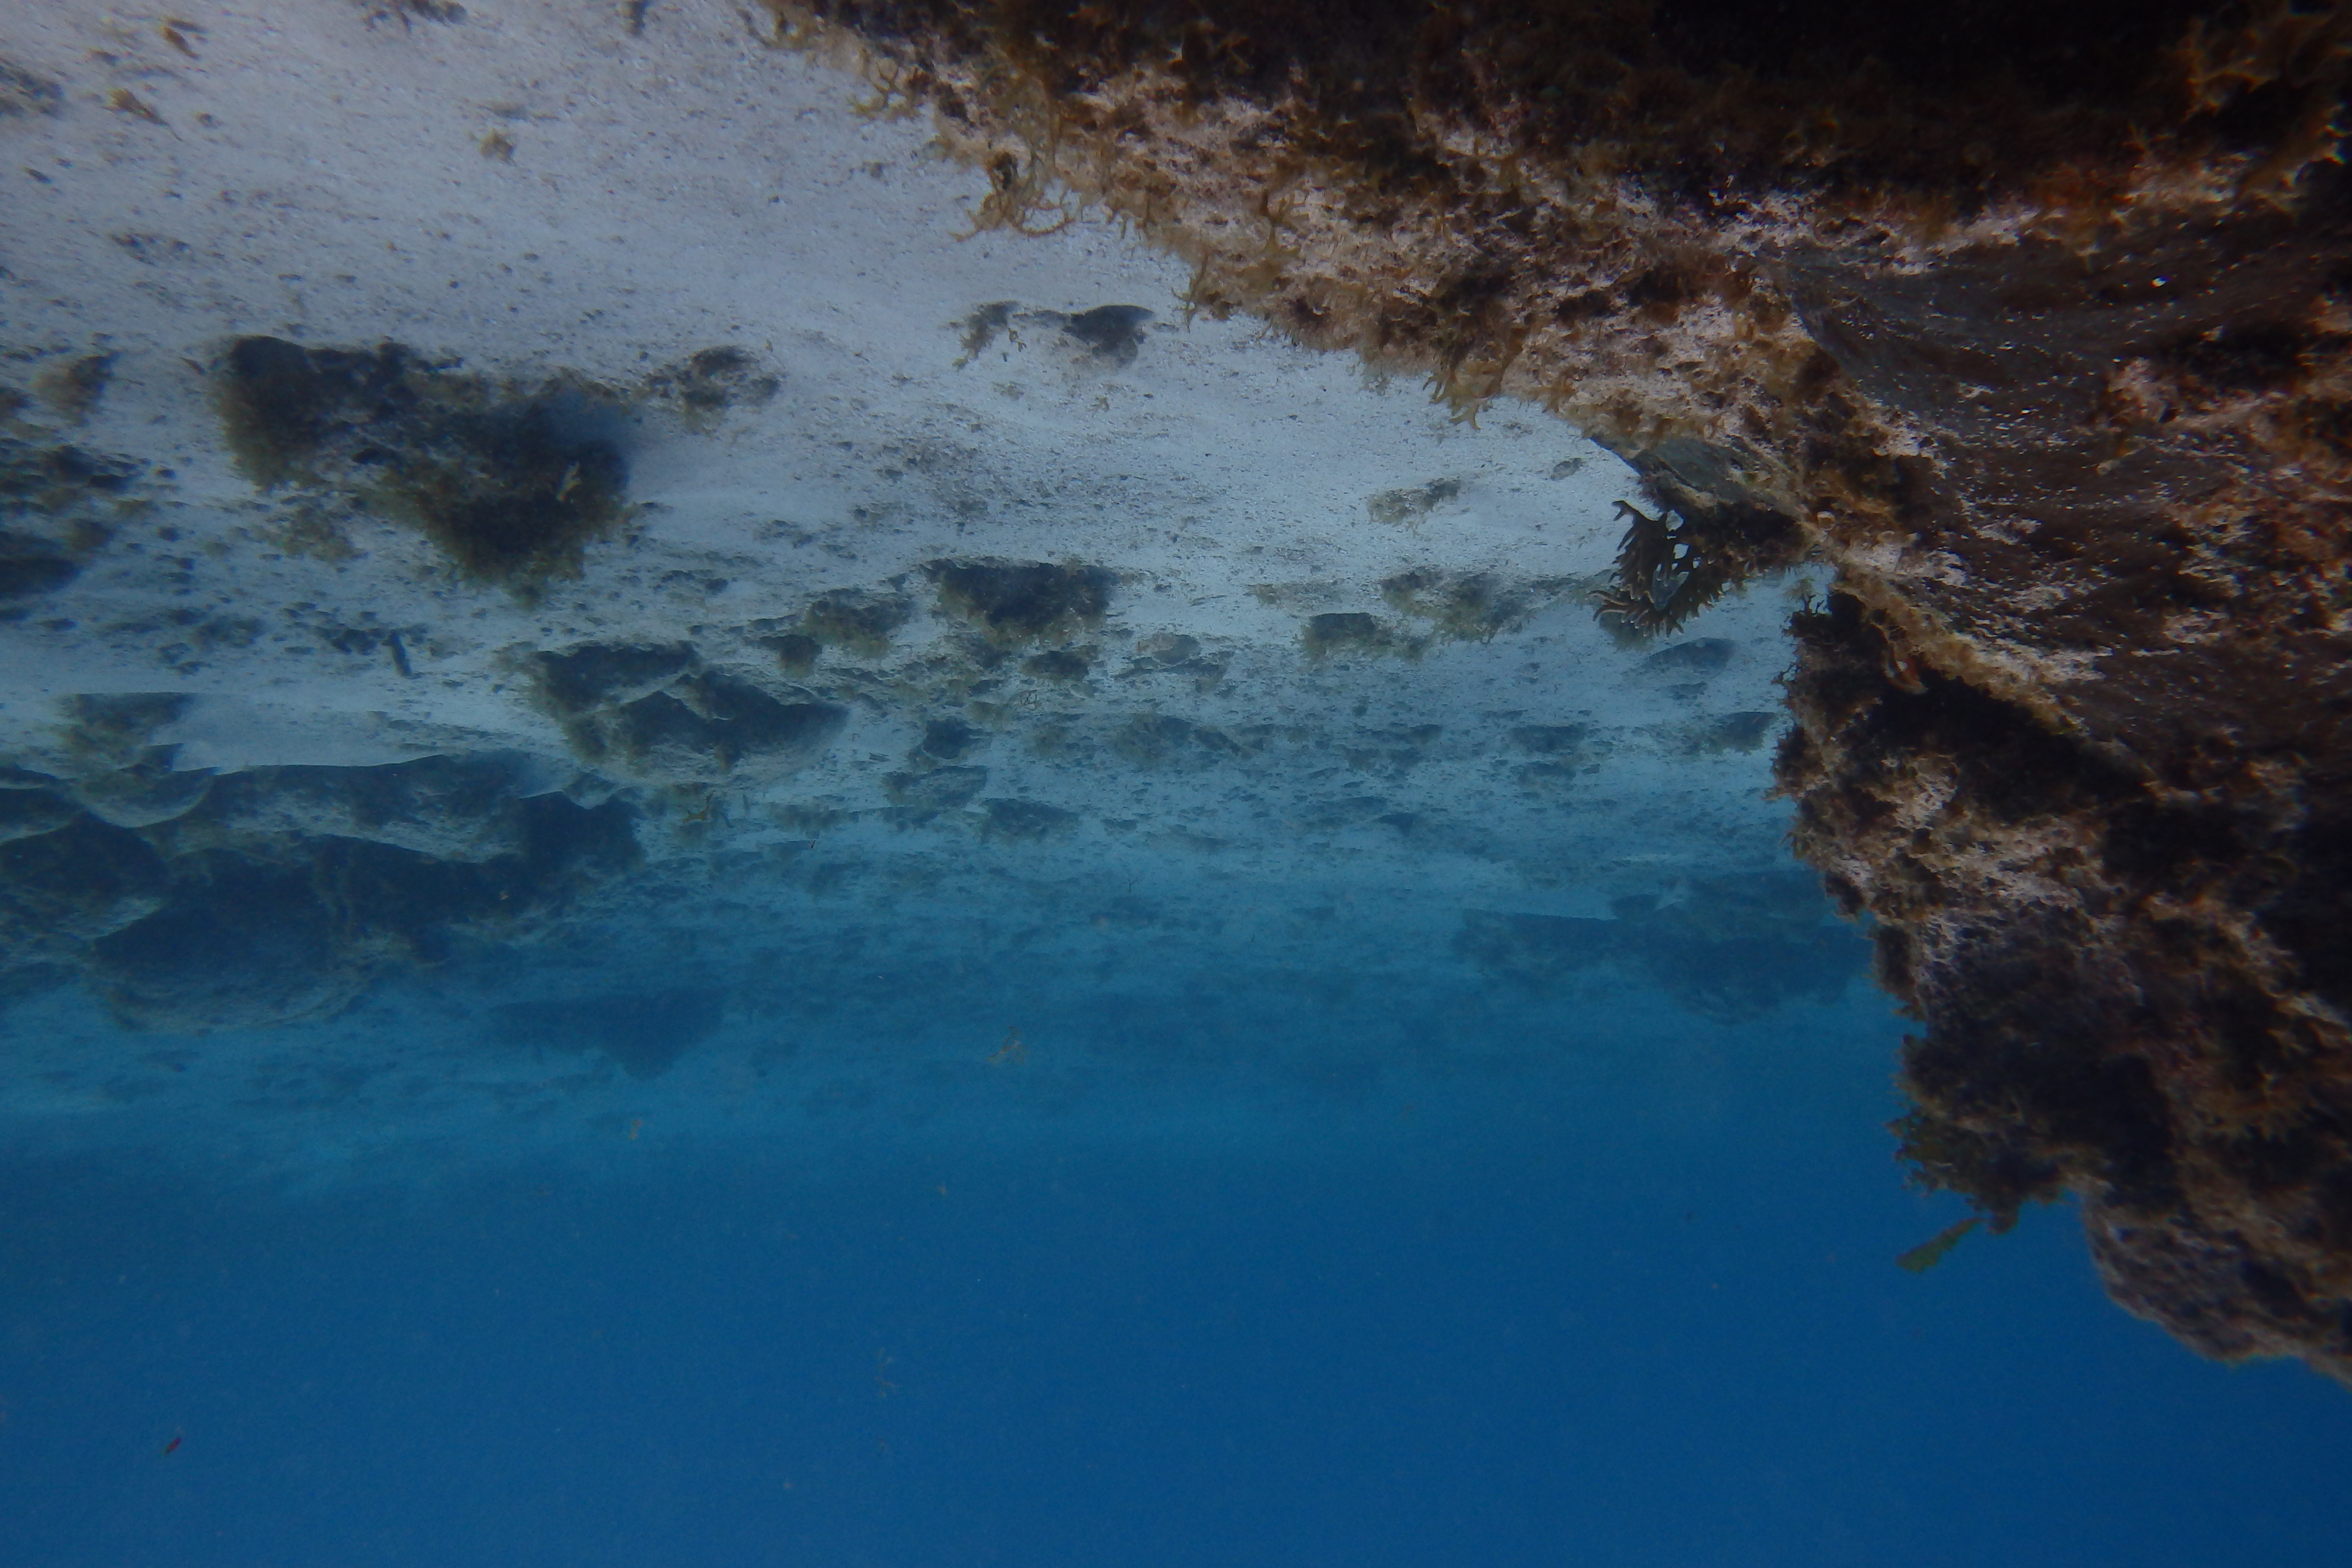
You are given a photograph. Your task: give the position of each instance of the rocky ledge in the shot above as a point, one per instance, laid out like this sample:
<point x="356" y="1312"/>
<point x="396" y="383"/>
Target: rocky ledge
<point x="2030" y="322"/>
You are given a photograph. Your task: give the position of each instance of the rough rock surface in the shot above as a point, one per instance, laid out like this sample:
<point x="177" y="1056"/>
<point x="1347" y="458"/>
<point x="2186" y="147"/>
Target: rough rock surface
<point x="2031" y="322"/>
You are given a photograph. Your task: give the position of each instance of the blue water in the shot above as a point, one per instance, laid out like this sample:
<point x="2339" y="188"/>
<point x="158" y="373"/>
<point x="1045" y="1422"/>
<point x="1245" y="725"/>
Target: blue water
<point x="1639" y="1311"/>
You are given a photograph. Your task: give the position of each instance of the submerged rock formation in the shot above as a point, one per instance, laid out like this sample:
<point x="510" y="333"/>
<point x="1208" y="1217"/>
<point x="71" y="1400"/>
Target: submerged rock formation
<point x="195" y="902"/>
<point x="2030" y="321"/>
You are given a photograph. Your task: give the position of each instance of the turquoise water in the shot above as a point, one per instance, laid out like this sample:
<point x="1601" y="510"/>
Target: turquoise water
<point x="1608" y="1289"/>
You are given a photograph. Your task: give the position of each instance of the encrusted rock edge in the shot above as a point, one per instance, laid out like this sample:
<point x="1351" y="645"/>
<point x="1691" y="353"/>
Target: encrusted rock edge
<point x="2119" y="992"/>
<point x="2036" y="338"/>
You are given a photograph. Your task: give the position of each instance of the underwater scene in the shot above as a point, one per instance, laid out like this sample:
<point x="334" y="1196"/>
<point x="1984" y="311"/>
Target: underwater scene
<point x="958" y="782"/>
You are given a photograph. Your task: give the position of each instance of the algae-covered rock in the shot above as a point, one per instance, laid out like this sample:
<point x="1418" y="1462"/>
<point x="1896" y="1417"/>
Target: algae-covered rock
<point x="512" y="482"/>
<point x="1017" y="601"/>
<point x="2030" y="326"/>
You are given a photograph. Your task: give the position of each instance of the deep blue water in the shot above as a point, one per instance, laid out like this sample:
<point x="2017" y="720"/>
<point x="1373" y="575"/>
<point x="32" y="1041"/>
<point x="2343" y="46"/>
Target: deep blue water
<point x="1643" y="1315"/>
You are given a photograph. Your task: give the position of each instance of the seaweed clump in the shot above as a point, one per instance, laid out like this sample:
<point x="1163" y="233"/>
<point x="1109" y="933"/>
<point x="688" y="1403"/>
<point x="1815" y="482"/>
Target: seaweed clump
<point x="1411" y="504"/>
<point x="74" y="388"/>
<point x="58" y="505"/>
<point x="1025" y="821"/>
<point x="410" y="11"/>
<point x="1163" y="740"/>
<point x="1018" y="602"/>
<point x="512" y="483"/>
<point x="31" y="565"/>
<point x="1671" y="566"/>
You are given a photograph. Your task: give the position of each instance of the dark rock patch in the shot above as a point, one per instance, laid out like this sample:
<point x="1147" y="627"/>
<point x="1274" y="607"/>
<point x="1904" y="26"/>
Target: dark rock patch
<point x="1698" y="658"/>
<point x="1339" y="632"/>
<point x="28" y="813"/>
<point x="856" y="622"/>
<point x="1017" y="601"/>
<point x="1470" y="607"/>
<point x="946" y="741"/>
<point x="711" y="381"/>
<point x="22" y="93"/>
<point x="1551" y="740"/>
<point x="31" y="566"/>
<point x="143" y="794"/>
<point x="1111" y="335"/>
<point x="74" y="388"/>
<point x="796" y="652"/>
<point x="278" y="894"/>
<point x="1743" y="732"/>
<point x="596" y="674"/>
<point x="707" y="726"/>
<point x="238" y="945"/>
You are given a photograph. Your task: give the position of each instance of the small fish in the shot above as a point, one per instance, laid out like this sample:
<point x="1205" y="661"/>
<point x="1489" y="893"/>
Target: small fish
<point x="173" y="1446"/>
<point x="634" y="1127"/>
<point x="1930" y="1252"/>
